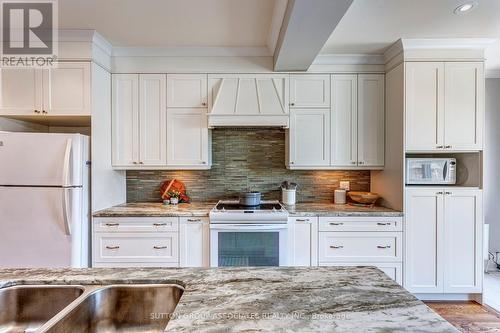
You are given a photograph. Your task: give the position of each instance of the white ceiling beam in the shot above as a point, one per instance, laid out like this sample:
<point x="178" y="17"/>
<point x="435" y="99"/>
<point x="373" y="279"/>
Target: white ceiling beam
<point x="306" y="27"/>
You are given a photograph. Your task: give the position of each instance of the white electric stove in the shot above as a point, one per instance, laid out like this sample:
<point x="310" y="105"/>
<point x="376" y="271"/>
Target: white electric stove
<point x="248" y="236"/>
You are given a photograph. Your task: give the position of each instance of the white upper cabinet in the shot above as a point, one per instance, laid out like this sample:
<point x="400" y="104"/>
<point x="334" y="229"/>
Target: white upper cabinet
<point x="310" y="91"/>
<point x="309" y="138"/>
<point x="444" y="106"/>
<point x="62" y="90"/>
<point x="187" y="142"/>
<point x="371" y="119"/>
<point x="462" y="240"/>
<point x="424" y="248"/>
<point x="139" y="120"/>
<point x="20" y="92"/>
<point x="424" y="105"/>
<point x="463" y="106"/>
<point x="187" y="91"/>
<point x="152" y="119"/>
<point x="66" y="89"/>
<point x="125" y="120"/>
<point x="344" y="120"/>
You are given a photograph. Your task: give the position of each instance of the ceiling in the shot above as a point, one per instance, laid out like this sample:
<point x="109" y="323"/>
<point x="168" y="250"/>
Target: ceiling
<point x="172" y="23"/>
<point x="371" y="26"/>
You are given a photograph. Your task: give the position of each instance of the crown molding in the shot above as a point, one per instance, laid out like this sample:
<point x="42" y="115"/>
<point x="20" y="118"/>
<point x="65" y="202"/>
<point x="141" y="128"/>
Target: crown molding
<point x="349" y="59"/>
<point x="192" y="51"/>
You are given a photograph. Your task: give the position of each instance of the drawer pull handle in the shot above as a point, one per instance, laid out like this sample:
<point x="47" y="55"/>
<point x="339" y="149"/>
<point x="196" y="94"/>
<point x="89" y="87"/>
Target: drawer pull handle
<point x="156" y="247"/>
<point x="302" y="220"/>
<point x="194" y="220"/>
<point x="112" y="224"/>
<point x="383" y="223"/>
<point x="112" y="247"/>
<point x="336" y="247"/>
<point x="336" y="223"/>
<point x="384" y="247"/>
<point x="159" y="224"/>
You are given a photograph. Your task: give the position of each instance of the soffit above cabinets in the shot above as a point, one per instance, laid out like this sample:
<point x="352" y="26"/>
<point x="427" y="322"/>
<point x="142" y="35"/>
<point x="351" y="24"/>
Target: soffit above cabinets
<point x="248" y="100"/>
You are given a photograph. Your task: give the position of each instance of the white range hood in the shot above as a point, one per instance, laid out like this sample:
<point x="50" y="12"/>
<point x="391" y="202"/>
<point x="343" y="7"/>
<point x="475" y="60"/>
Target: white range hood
<point x="248" y="100"/>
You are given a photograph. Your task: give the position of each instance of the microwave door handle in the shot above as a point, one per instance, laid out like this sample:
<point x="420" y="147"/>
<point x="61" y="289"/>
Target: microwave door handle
<point x="445" y="170"/>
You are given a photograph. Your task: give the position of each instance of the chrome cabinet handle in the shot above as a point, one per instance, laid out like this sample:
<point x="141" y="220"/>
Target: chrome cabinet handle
<point x="156" y="247"/>
<point x="447" y="147"/>
<point x="45" y="112"/>
<point x="134" y="162"/>
<point x="439" y="193"/>
<point x="336" y="247"/>
<point x="383" y="223"/>
<point x="112" y="224"/>
<point x="353" y="162"/>
<point x="292" y="104"/>
<point x="204" y="104"/>
<point x="112" y="247"/>
<point x="361" y="162"/>
<point x="141" y="162"/>
<point x="448" y="193"/>
<point x="439" y="147"/>
<point x="383" y="247"/>
<point x="160" y="224"/>
<point x="36" y="111"/>
<point x="302" y="220"/>
<point x="336" y="223"/>
<point x="194" y="220"/>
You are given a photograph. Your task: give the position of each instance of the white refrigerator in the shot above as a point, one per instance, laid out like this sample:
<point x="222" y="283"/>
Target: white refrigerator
<point x="44" y="200"/>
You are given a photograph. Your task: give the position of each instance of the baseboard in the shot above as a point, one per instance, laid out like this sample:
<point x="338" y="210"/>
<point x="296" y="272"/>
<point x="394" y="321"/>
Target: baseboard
<point x="449" y="297"/>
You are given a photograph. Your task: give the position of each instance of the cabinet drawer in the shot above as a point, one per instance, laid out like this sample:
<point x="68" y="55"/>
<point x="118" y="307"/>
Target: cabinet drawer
<point x="137" y="247"/>
<point x="133" y="264"/>
<point x="394" y="270"/>
<point x="360" y="224"/>
<point x="360" y="246"/>
<point x="136" y="224"/>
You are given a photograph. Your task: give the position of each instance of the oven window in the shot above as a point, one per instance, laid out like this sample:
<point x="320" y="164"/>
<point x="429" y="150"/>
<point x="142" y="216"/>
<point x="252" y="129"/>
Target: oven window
<point x="249" y="249"/>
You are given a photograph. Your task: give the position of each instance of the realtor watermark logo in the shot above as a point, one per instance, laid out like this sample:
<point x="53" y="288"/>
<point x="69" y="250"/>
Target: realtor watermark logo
<point x="29" y="33"/>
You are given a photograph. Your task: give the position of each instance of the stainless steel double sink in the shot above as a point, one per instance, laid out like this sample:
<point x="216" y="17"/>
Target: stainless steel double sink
<point x="91" y="308"/>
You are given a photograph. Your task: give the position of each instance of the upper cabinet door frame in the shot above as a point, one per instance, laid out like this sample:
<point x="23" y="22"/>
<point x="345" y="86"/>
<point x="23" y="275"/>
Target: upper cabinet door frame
<point x="310" y="91"/>
<point x="371" y="120"/>
<point x="463" y="106"/>
<point x="69" y="95"/>
<point x="424" y="104"/>
<point x="20" y="91"/>
<point x="152" y="119"/>
<point x="344" y="120"/>
<point x="187" y="91"/>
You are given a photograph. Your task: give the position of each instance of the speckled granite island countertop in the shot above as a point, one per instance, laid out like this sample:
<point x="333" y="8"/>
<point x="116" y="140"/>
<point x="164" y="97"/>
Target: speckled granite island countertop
<point x="203" y="208"/>
<point x="285" y="299"/>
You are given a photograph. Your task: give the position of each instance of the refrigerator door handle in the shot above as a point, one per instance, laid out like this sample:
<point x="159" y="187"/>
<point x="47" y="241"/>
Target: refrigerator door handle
<point x="66" y="161"/>
<point x="66" y="217"/>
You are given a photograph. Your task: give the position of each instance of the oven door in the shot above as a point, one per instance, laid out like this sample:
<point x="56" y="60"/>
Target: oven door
<point x="248" y="245"/>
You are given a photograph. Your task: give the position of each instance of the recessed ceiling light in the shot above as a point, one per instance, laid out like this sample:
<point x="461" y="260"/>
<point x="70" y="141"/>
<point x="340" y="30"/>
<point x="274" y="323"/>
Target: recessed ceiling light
<point x="465" y="7"/>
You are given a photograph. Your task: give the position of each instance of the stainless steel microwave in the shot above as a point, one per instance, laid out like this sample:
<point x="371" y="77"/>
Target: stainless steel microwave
<point x="431" y="171"/>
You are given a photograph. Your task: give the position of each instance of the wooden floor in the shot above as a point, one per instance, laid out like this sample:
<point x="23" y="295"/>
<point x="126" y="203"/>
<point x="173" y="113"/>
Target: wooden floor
<point x="468" y="317"/>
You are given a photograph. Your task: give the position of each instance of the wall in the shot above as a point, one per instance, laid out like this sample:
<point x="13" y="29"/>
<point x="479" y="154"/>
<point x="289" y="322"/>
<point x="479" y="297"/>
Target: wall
<point x="492" y="162"/>
<point x="241" y="159"/>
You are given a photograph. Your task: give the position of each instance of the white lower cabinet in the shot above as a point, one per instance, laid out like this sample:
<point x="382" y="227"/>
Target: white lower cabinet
<point x="303" y="241"/>
<point x="362" y="241"/>
<point x="443" y="240"/>
<point x="194" y="236"/>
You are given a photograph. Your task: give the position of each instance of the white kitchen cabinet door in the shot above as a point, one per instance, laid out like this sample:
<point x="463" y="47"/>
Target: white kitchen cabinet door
<point x="152" y="120"/>
<point x="463" y="230"/>
<point x="194" y="237"/>
<point x="66" y="89"/>
<point x="344" y="120"/>
<point x="125" y="120"/>
<point x="187" y="142"/>
<point x="310" y="91"/>
<point x="20" y="91"/>
<point x="309" y="138"/>
<point x="424" y="240"/>
<point x="187" y="90"/>
<point x="424" y="104"/>
<point x="303" y="241"/>
<point x="463" y="106"/>
<point x="371" y="120"/>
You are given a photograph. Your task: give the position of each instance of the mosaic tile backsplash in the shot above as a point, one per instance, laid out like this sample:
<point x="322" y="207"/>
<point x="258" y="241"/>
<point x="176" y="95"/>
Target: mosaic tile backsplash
<point x="245" y="159"/>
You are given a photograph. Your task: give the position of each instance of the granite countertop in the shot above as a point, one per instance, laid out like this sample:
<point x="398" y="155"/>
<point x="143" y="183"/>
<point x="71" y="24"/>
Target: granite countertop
<point x="203" y="208"/>
<point x="284" y="299"/>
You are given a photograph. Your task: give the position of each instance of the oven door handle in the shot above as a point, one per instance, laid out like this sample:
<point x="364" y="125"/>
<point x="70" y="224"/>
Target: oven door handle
<point x="237" y="227"/>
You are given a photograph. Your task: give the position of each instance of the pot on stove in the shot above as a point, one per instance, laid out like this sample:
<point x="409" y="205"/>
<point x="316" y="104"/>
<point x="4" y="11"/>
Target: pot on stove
<point x="250" y="198"/>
